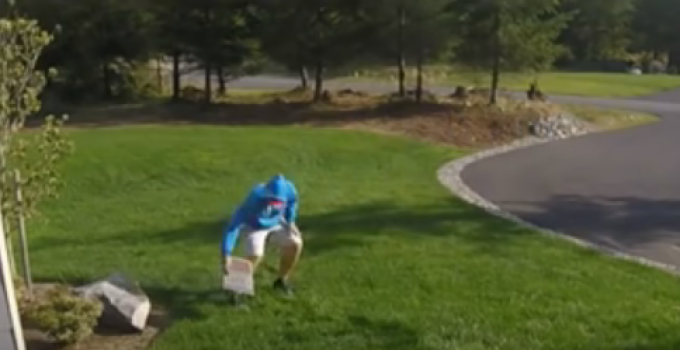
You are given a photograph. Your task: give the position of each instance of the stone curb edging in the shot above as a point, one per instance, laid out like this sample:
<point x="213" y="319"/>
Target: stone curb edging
<point x="449" y="176"/>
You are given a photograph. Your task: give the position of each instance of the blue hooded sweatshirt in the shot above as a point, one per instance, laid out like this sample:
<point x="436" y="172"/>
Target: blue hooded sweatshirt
<point x="259" y="210"/>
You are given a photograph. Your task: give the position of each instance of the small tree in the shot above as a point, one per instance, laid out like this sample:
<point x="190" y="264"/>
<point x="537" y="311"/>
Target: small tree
<point x="509" y="35"/>
<point x="27" y="164"/>
<point x="316" y="34"/>
<point x="416" y="31"/>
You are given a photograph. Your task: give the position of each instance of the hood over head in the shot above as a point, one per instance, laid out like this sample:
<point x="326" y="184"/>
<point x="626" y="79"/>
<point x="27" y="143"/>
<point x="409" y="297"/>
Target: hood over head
<point x="276" y="188"/>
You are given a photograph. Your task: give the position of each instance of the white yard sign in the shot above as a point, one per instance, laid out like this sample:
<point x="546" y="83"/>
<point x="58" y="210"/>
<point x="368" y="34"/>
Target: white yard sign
<point x="240" y="277"/>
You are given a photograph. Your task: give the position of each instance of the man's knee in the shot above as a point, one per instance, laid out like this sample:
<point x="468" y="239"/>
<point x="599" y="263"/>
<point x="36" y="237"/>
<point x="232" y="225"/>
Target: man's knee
<point x="293" y="240"/>
<point x="255" y="260"/>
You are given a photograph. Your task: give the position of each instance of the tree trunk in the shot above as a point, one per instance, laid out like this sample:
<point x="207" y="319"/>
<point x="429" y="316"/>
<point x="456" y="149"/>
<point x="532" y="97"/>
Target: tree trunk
<point x="221" y="82"/>
<point x="674" y="60"/>
<point x="26" y="264"/>
<point x="401" y="61"/>
<point x="496" y="67"/>
<point x="419" y="76"/>
<point x="304" y="77"/>
<point x="176" y="82"/>
<point x="106" y="80"/>
<point x="318" y="80"/>
<point x="10" y="247"/>
<point x="159" y="74"/>
<point x="207" y="94"/>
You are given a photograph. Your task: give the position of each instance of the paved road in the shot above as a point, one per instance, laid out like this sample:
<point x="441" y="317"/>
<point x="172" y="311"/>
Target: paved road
<point x="619" y="189"/>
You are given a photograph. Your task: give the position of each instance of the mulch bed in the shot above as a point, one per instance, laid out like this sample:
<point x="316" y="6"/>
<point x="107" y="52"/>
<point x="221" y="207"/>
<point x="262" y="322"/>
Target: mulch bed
<point x="102" y="339"/>
<point x="471" y="126"/>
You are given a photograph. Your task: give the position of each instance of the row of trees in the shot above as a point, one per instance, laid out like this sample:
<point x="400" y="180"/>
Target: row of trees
<point x="101" y="44"/>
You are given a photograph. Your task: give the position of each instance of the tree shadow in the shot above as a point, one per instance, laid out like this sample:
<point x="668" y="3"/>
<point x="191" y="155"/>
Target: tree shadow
<point x="374" y="333"/>
<point x="657" y="345"/>
<point x="351" y="227"/>
<point x="347" y="227"/>
<point x="388" y="334"/>
<point x="629" y="224"/>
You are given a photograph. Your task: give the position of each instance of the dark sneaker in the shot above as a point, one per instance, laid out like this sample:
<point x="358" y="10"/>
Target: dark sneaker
<point x="283" y="287"/>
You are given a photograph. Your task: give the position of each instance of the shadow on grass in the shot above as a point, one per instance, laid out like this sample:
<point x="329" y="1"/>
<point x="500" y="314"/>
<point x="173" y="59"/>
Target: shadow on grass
<point x="374" y="333"/>
<point x="659" y="345"/>
<point x="348" y="227"/>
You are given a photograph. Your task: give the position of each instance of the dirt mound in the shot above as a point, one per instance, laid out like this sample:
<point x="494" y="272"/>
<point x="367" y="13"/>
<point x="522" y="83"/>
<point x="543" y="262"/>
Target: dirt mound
<point x="473" y="127"/>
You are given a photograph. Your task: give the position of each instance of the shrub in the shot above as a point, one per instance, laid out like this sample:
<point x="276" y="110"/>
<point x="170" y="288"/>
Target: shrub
<point x="63" y="316"/>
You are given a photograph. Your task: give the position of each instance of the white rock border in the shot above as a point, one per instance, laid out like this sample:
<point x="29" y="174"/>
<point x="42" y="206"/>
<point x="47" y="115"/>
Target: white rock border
<point x="449" y="176"/>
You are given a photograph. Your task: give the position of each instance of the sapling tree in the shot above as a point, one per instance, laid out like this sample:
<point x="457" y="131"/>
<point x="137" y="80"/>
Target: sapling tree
<point x="28" y="160"/>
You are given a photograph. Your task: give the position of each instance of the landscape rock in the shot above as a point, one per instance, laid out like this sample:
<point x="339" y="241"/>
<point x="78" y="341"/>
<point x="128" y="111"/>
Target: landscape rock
<point x="126" y="306"/>
<point x="558" y="126"/>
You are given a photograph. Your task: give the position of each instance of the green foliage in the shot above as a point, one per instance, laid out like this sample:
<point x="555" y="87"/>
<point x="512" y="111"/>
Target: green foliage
<point x="521" y="33"/>
<point x="94" y="38"/>
<point x="600" y="29"/>
<point x="427" y="28"/>
<point x="656" y="28"/>
<point x="102" y="42"/>
<point x="36" y="157"/>
<point x="304" y="32"/>
<point x="20" y="84"/>
<point x="220" y="33"/>
<point x="65" y="317"/>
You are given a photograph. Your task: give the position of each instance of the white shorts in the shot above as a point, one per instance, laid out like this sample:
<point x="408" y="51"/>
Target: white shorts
<point x="256" y="240"/>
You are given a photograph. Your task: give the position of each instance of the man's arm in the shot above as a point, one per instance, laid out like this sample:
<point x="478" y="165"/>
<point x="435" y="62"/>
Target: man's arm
<point x="232" y="230"/>
<point x="291" y="212"/>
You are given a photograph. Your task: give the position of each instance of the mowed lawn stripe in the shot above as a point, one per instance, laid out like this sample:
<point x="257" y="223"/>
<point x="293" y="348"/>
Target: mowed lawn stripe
<point x="392" y="260"/>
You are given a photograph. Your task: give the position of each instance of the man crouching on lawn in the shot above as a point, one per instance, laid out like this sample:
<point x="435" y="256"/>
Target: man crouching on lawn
<point x="270" y="209"/>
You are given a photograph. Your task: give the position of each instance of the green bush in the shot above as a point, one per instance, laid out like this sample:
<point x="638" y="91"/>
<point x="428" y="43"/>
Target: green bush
<point x="63" y="316"/>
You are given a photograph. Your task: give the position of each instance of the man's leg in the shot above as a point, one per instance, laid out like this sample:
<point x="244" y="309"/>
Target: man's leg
<point x="290" y="244"/>
<point x="254" y="247"/>
<point x="290" y="255"/>
<point x="255" y="243"/>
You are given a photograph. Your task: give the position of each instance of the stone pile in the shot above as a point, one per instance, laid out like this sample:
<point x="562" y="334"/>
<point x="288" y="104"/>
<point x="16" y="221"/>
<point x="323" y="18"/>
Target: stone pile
<point x="558" y="126"/>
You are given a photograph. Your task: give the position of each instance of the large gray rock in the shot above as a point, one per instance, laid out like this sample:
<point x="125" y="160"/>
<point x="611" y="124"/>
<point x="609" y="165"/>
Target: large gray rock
<point x="126" y="306"/>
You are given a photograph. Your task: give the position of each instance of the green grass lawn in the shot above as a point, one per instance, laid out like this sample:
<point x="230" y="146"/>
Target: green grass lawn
<point x="392" y="260"/>
<point x="610" y="119"/>
<point x="552" y="83"/>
